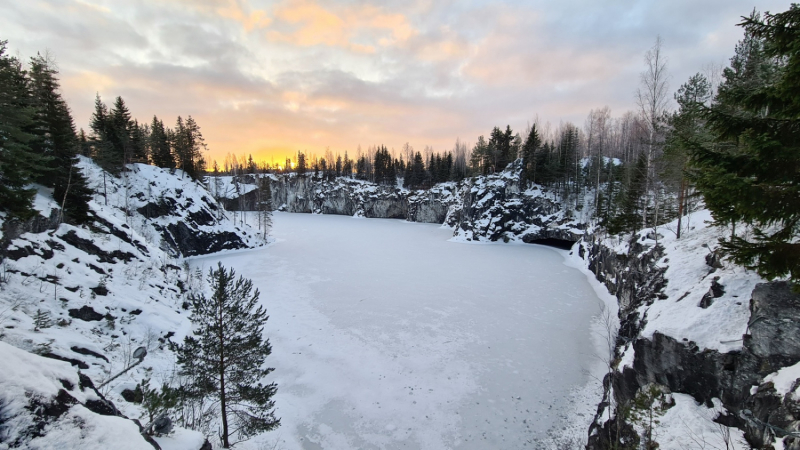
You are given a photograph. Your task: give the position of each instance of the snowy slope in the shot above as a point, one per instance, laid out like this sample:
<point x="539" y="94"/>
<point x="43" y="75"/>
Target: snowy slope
<point x="687" y="326"/>
<point x="105" y="289"/>
<point x="720" y="325"/>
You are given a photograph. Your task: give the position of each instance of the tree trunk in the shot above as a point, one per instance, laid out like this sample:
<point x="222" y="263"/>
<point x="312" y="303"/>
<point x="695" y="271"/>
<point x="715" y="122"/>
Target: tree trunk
<point x="681" y="195"/>
<point x="222" y="397"/>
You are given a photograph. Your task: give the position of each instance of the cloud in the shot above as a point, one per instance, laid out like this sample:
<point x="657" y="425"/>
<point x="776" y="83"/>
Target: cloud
<point x="267" y="77"/>
<point x="361" y="28"/>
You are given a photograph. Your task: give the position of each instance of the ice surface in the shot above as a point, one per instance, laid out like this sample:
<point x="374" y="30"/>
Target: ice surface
<point x="386" y="335"/>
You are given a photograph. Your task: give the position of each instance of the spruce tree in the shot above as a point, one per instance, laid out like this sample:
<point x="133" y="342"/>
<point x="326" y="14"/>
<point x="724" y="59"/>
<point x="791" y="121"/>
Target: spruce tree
<point x="417" y="172"/>
<point x="58" y="143"/>
<point x="224" y="356"/>
<point x="120" y="136"/>
<point x="19" y="164"/>
<point x="301" y="163"/>
<point x="750" y="172"/>
<point x="529" y="149"/>
<point x="160" y="150"/>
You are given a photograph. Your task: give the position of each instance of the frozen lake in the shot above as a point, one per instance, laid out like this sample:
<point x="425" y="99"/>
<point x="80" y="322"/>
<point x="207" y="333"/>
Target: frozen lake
<point x="387" y="335"/>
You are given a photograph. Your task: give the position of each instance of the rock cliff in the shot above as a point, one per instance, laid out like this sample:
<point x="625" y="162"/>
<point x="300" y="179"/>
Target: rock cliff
<point x="668" y="340"/>
<point x="486" y="208"/>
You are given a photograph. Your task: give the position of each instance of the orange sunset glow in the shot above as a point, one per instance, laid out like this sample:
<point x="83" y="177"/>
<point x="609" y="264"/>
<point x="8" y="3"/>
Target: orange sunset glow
<point x="270" y="78"/>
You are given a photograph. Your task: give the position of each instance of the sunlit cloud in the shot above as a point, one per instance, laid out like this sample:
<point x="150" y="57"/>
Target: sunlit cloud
<point x="274" y="77"/>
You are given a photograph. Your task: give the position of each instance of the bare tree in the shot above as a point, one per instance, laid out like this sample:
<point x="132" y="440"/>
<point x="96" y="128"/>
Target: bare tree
<point x="651" y="97"/>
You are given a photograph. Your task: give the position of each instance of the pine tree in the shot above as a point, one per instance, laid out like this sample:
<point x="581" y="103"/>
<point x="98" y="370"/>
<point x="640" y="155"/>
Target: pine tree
<point x="630" y="199"/>
<point x="104" y="151"/>
<point x="264" y="205"/>
<point x="225" y="354"/>
<point x="480" y="158"/>
<point x="751" y="172"/>
<point x="687" y="127"/>
<point x="417" y="172"/>
<point x="138" y="137"/>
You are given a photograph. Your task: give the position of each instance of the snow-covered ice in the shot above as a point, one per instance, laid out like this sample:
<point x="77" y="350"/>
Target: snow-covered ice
<point x="387" y="335"/>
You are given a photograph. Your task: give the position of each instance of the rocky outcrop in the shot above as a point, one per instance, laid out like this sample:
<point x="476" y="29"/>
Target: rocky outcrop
<point x="52" y="399"/>
<point x="772" y="342"/>
<point x="496" y="207"/>
<point x="486" y="208"/>
<point x="346" y="196"/>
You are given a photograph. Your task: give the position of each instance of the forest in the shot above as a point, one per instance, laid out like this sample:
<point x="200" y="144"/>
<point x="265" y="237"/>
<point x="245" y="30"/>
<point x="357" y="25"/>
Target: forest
<point x="732" y="143"/>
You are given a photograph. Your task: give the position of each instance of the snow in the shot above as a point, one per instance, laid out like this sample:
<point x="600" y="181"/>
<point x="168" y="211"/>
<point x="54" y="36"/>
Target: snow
<point x="181" y="439"/>
<point x="385" y="334"/>
<point x="43" y="200"/>
<point x="143" y="305"/>
<point x="720" y="326"/>
<point x="81" y="428"/>
<point x="784" y="379"/>
<point x="230" y="187"/>
<point x="23" y="372"/>
<point x="689" y="425"/>
<point x="24" y="375"/>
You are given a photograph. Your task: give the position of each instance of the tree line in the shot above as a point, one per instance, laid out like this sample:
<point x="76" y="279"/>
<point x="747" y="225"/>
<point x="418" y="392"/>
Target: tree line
<point x="39" y="142"/>
<point x="117" y="140"/>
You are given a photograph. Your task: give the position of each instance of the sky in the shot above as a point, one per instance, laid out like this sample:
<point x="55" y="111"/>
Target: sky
<point x="270" y="78"/>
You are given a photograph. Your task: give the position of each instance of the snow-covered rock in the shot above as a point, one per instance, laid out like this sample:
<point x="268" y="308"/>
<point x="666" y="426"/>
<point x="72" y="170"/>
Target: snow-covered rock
<point x="696" y="325"/>
<point x="495" y="207"/>
<point x="483" y="208"/>
<point x="47" y="404"/>
<point x="341" y="196"/>
<point x="85" y="297"/>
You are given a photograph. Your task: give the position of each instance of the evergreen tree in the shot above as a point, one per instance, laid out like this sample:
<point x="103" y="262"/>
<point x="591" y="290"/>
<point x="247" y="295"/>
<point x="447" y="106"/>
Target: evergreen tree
<point x="751" y="171"/>
<point x="84" y="147"/>
<point x="120" y="135"/>
<point x="687" y="126"/>
<point x="629" y="219"/>
<point x="301" y="163"/>
<point x="417" y="172"/>
<point x="361" y="168"/>
<point x="106" y="141"/>
<point x="224" y="356"/>
<point x="529" y="149"/>
<point x="160" y="149"/>
<point x="18" y="162"/>
<point x="480" y="158"/>
<point x="41" y="320"/>
<point x="138" y="142"/>
<point x="347" y="166"/>
<point x="264" y="204"/>
<point x="59" y="143"/>
<point x="188" y="144"/>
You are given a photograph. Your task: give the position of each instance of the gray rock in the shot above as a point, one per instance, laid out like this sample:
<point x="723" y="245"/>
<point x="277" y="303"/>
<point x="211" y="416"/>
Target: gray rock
<point x="162" y="425"/>
<point x="775" y="323"/>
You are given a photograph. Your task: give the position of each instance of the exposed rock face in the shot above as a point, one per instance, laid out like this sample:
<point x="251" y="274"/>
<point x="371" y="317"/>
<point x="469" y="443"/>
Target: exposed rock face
<point x="483" y="208"/>
<point x="344" y="196"/>
<point x="14" y="228"/>
<point x="773" y="342"/>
